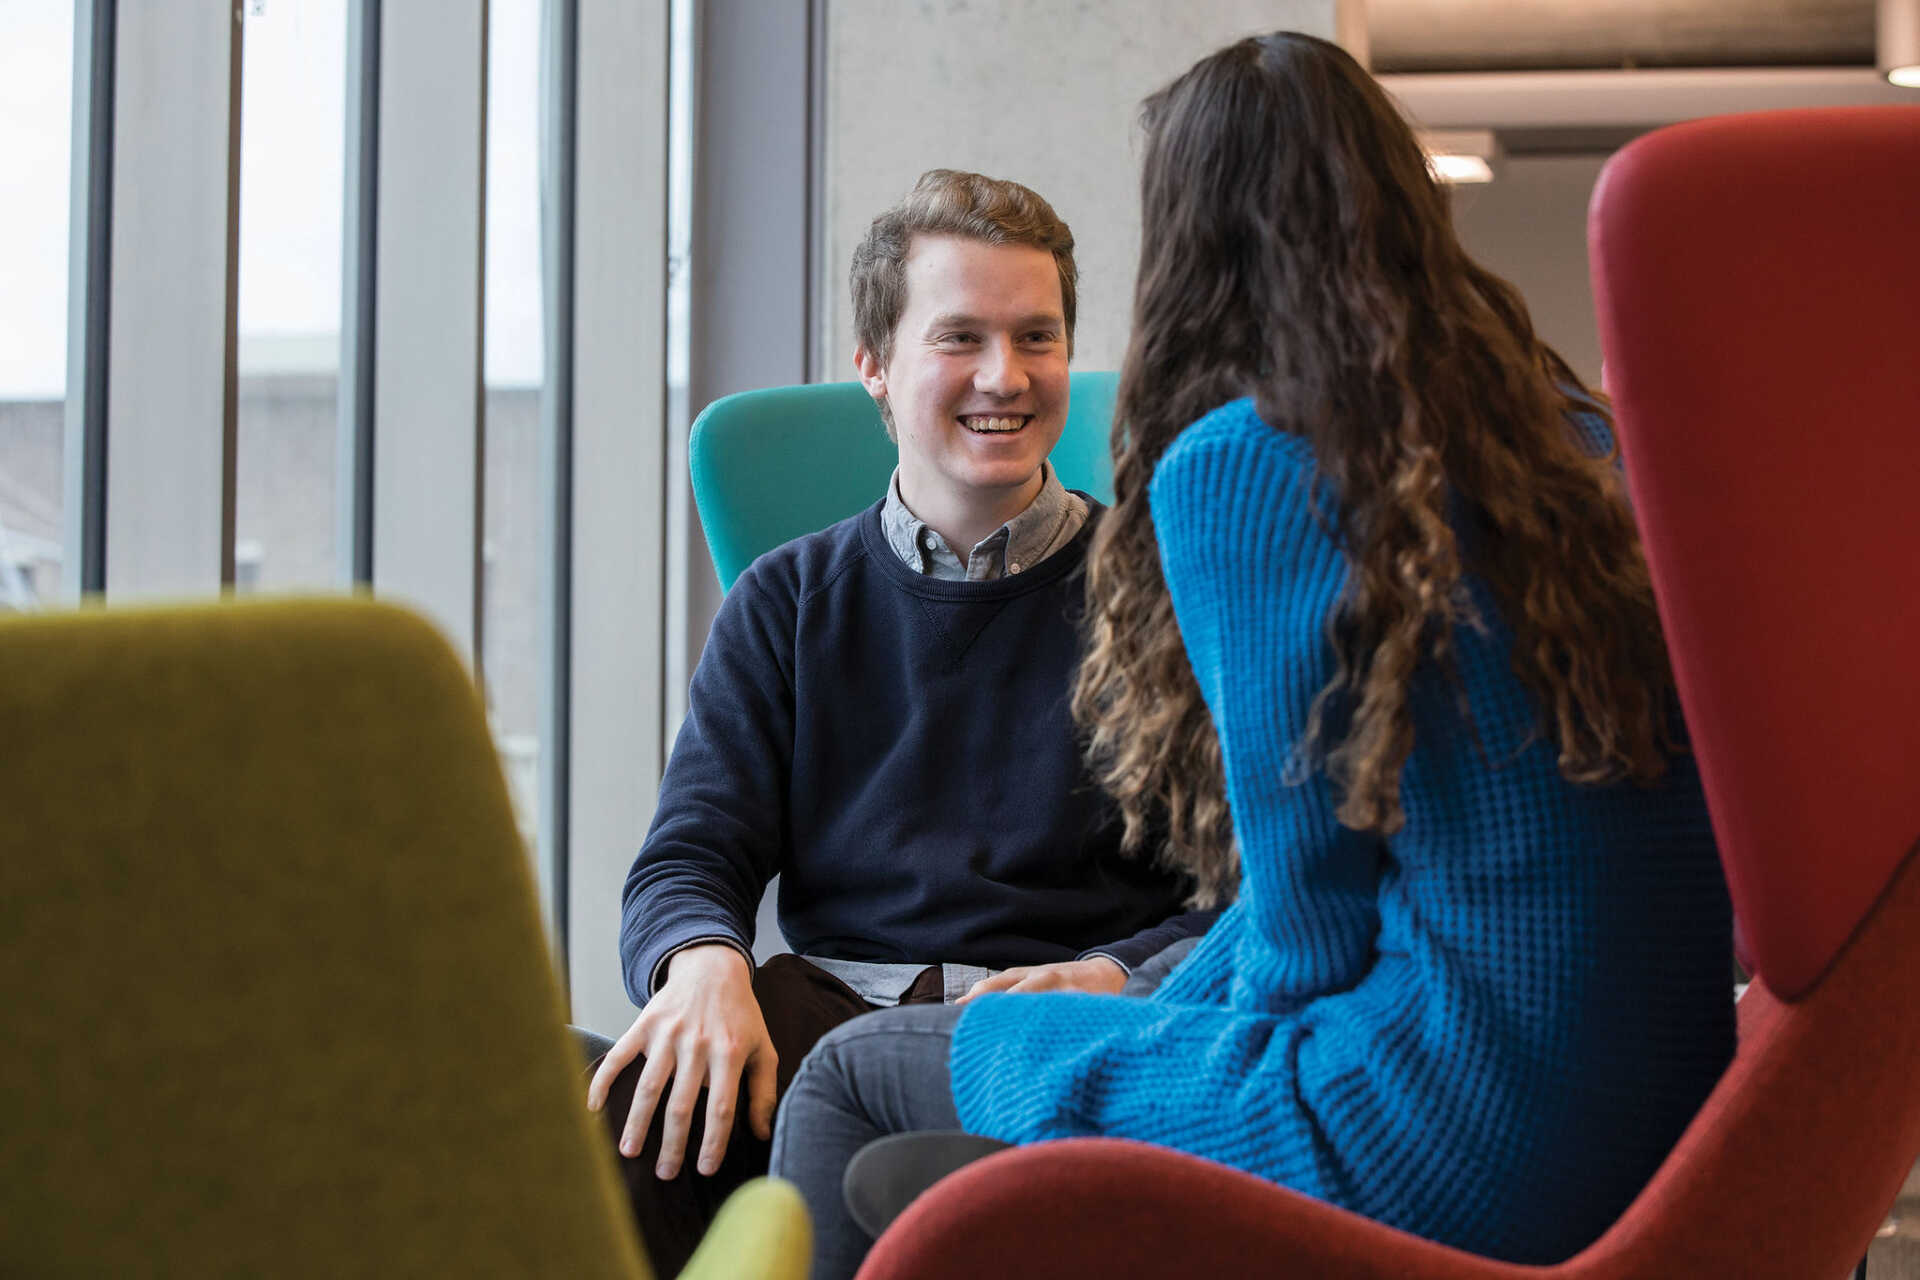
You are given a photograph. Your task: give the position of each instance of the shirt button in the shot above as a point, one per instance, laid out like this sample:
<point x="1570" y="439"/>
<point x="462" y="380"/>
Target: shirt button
<point x="1014" y="567"/>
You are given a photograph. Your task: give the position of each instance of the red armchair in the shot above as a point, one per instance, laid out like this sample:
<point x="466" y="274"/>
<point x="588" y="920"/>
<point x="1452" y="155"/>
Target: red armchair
<point x="1758" y="281"/>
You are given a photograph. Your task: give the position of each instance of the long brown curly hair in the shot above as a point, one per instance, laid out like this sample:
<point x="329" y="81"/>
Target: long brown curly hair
<point x="1297" y="248"/>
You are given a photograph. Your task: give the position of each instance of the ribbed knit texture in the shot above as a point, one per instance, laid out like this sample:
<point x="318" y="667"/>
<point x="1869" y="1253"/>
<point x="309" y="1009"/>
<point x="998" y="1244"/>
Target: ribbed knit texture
<point x="1487" y="1029"/>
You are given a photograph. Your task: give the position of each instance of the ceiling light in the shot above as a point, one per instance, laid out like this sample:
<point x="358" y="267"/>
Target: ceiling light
<point x="1461" y="155"/>
<point x="1897" y="41"/>
<point x="1461" y="168"/>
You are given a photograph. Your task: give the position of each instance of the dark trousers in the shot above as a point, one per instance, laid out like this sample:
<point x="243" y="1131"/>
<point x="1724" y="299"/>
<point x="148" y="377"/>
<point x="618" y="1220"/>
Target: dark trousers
<point x="800" y="1003"/>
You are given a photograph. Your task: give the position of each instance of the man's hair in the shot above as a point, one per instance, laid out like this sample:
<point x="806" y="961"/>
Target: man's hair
<point x="947" y="202"/>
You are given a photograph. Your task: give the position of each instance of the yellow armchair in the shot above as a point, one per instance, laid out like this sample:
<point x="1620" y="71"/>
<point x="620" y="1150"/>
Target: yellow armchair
<point x="278" y="1000"/>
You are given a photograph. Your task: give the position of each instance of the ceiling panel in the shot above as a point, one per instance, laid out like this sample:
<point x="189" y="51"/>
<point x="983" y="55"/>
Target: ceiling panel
<point x="1522" y="35"/>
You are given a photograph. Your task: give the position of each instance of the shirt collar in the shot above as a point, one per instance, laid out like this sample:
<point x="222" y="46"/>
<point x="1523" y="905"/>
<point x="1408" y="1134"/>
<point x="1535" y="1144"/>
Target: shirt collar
<point x="1017" y="545"/>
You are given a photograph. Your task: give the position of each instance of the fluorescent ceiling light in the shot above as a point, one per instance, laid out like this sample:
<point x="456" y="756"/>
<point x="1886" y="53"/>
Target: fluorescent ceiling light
<point x="1461" y="168"/>
<point x="1897" y="41"/>
<point x="1461" y="155"/>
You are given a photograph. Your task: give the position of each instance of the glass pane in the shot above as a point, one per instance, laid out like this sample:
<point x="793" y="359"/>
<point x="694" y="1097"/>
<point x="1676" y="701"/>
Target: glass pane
<point x="515" y="374"/>
<point x="292" y="154"/>
<point x="36" y="113"/>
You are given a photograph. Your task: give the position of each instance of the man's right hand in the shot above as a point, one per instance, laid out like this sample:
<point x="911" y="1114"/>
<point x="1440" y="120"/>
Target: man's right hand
<point x="702" y="1028"/>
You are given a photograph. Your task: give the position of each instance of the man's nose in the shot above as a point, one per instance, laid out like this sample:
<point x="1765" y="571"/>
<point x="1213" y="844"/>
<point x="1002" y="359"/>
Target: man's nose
<point x="1000" y="371"/>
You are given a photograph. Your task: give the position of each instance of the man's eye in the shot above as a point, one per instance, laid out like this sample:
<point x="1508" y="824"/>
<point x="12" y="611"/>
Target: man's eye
<point x="958" y="338"/>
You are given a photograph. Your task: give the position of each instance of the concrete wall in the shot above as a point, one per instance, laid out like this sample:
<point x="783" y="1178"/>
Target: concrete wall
<point x="1530" y="226"/>
<point x="1040" y="91"/>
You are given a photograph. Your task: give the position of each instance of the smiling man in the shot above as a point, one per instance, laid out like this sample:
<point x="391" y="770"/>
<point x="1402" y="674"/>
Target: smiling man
<point x="881" y="718"/>
<point x="971" y="380"/>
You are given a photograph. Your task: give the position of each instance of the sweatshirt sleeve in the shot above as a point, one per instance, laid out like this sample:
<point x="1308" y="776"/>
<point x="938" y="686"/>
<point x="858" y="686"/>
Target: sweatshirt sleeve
<point x="717" y="835"/>
<point x="1131" y="953"/>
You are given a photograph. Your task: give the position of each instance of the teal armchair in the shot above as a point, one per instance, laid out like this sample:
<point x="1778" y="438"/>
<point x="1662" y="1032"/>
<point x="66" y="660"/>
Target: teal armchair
<point x="769" y="466"/>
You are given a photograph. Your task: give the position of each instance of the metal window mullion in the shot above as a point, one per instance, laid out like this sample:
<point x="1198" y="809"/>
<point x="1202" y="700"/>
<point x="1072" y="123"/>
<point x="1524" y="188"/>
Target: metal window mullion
<point x="749" y="254"/>
<point x="154" y="426"/>
<point x="750" y="248"/>
<point x="353" y="524"/>
<point x="89" y="263"/>
<point x="428" y="246"/>
<point x="560" y="85"/>
<point x="608" y="649"/>
<point x="813" y="275"/>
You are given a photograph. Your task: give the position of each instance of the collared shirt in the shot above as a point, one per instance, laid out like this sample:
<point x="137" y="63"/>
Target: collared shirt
<point x="880" y="983"/>
<point x="1049" y="523"/>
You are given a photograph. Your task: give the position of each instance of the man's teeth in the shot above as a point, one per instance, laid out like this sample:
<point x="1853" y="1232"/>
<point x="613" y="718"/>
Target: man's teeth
<point x="994" y="424"/>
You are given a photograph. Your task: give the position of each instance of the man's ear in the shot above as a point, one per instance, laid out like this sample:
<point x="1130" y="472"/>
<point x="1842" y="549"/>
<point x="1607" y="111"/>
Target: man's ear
<point x="873" y="374"/>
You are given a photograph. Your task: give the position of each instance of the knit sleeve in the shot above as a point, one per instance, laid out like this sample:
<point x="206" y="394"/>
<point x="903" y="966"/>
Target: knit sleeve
<point x="1205" y="1066"/>
<point x="1254" y="571"/>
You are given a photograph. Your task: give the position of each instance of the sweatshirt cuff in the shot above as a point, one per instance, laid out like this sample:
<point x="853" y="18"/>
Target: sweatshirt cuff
<point x="659" y="974"/>
<point x="1131" y="953"/>
<point x="1107" y="955"/>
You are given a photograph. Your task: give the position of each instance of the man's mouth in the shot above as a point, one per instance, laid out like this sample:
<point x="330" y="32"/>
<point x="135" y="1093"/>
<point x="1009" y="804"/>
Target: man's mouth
<point x="989" y="425"/>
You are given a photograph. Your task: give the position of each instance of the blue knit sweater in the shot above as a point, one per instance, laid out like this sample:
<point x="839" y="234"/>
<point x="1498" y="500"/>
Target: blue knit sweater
<point x="1487" y="1029"/>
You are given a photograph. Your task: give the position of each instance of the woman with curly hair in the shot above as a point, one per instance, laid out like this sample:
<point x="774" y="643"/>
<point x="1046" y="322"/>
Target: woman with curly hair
<point x="1373" y="652"/>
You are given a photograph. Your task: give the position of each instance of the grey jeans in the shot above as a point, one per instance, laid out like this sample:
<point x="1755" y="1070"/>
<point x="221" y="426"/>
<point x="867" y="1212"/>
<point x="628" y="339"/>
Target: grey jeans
<point x="881" y="1074"/>
<point x="878" y="1075"/>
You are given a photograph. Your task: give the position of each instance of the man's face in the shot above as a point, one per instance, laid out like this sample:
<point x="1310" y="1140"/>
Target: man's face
<point x="977" y="379"/>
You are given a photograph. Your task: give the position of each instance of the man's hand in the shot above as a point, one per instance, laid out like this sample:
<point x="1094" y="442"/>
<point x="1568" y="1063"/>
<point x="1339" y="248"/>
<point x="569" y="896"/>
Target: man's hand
<point x="702" y="1027"/>
<point x="1096" y="974"/>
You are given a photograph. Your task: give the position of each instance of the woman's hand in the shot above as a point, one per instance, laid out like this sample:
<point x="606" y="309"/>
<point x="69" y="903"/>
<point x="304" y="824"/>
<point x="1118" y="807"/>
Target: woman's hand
<point x="1096" y="974"/>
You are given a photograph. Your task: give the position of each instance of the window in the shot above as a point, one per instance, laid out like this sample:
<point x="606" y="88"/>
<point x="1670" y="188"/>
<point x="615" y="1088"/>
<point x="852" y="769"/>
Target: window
<point x="292" y="145"/>
<point x="515" y="501"/>
<point x="36" y="106"/>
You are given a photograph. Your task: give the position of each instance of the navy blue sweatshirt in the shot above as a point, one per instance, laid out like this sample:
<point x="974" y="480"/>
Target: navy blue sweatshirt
<point x="899" y="750"/>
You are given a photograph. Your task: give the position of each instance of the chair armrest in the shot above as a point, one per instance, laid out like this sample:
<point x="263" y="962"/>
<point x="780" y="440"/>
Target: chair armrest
<point x="761" y="1233"/>
<point x="1112" y="1208"/>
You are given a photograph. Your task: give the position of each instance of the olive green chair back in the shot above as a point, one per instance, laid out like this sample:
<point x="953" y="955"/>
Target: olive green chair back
<point x="278" y="1000"/>
<point x="769" y="466"/>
